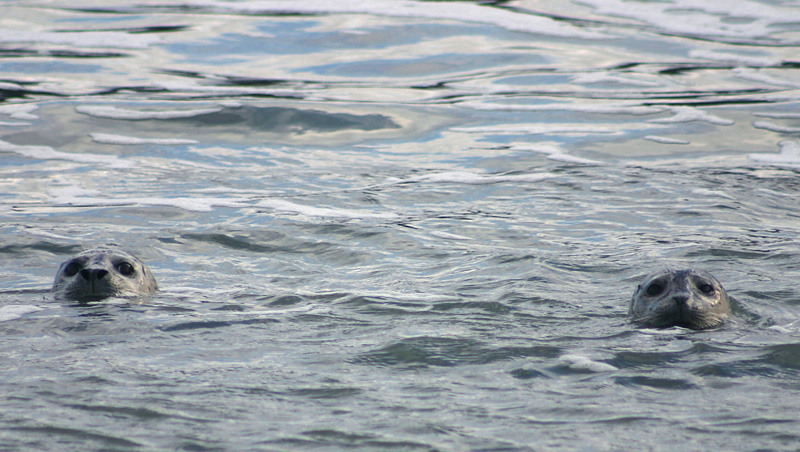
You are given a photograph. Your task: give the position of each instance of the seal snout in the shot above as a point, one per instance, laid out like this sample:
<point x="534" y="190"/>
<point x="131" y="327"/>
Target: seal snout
<point x="93" y="273"/>
<point x="681" y="299"/>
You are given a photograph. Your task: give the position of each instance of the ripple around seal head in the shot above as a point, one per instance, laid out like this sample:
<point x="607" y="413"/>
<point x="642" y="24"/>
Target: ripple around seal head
<point x="212" y="324"/>
<point x="417" y="352"/>
<point x="656" y="383"/>
<point x="69" y="437"/>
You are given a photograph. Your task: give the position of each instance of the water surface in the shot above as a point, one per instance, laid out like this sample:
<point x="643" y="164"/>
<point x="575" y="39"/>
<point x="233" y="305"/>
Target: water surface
<point x="399" y="225"/>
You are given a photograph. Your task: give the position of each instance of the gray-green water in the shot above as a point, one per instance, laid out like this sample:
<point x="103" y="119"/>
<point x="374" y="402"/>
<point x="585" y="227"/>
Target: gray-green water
<point x="399" y="225"/>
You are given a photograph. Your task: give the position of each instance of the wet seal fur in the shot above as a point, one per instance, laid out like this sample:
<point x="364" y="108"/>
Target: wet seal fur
<point x="101" y="273"/>
<point x="688" y="298"/>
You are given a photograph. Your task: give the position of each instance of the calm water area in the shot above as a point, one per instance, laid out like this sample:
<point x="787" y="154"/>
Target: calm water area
<point x="399" y="225"/>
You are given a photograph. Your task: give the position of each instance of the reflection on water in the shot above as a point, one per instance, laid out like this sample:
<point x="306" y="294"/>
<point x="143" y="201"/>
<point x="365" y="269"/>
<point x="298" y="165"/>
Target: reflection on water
<point x="399" y="225"/>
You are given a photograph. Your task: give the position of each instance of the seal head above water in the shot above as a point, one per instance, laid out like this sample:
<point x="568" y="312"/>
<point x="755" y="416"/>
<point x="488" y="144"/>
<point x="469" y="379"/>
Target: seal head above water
<point x="688" y="298"/>
<point x="102" y="273"/>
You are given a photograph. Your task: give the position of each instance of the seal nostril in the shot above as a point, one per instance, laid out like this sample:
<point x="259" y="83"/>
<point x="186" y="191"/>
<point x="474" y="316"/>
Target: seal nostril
<point x="93" y="273"/>
<point x="680" y="299"/>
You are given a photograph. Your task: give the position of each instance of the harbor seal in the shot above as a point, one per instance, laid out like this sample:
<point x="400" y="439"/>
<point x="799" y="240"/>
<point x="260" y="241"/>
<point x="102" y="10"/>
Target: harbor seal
<point x="688" y="298"/>
<point x="101" y="273"/>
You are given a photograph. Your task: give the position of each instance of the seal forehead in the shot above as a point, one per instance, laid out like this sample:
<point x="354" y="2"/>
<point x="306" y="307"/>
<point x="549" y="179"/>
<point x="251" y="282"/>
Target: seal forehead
<point x="666" y="277"/>
<point x="103" y="254"/>
<point x="663" y="273"/>
<point x="680" y="277"/>
<point x="701" y="275"/>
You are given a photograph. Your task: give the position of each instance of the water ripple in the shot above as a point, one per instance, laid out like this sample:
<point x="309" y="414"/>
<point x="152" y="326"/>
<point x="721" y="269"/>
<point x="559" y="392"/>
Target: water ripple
<point x="398" y="225"/>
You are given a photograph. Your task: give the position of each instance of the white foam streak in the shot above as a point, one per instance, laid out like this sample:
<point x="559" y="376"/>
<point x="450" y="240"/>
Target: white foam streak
<point x="191" y="87"/>
<point x="77" y="196"/>
<point x="756" y="75"/>
<point x="49" y="235"/>
<point x="599" y="109"/>
<point x="665" y="140"/>
<point x="185" y="203"/>
<point x="125" y="140"/>
<point x="775" y="127"/>
<point x="11" y="86"/>
<point x="610" y="77"/>
<point x="734" y="58"/>
<point x="462" y="12"/>
<point x="712" y="193"/>
<point x="778" y="115"/>
<point x="580" y="362"/>
<point x="554" y="153"/>
<point x="102" y="111"/>
<point x="107" y="39"/>
<point x="20" y="111"/>
<point x="742" y="19"/>
<point x="448" y="236"/>
<point x="789" y="155"/>
<point x="572" y="159"/>
<point x="463" y="177"/>
<point x="531" y="129"/>
<point x="12" y="312"/>
<point x="691" y="114"/>
<point x="72" y="191"/>
<point x="324" y="212"/>
<point x="48" y="153"/>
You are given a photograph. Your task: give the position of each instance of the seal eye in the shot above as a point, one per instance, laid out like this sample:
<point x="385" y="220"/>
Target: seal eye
<point x="655" y="289"/>
<point x="72" y="269"/>
<point x="125" y="268"/>
<point x="707" y="289"/>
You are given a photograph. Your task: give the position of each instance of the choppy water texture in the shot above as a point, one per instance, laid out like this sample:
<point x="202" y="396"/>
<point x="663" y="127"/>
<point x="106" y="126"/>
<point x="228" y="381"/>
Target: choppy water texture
<point x="399" y="225"/>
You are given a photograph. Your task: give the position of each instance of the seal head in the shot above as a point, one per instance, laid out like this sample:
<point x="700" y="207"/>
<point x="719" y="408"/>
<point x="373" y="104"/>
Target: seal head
<point x="688" y="298"/>
<point x="101" y="273"/>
